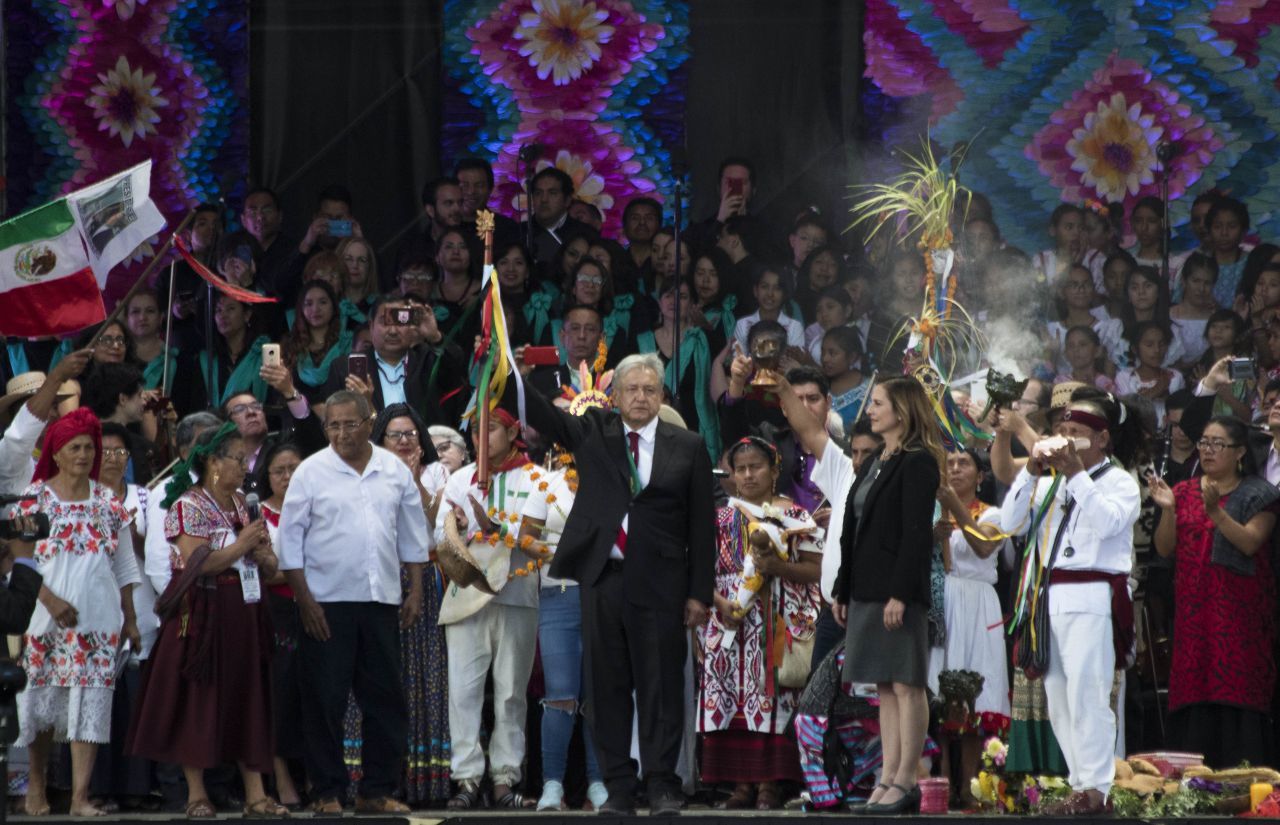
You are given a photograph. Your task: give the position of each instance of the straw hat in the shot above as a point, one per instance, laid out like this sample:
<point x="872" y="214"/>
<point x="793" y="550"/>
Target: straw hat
<point x="21" y="387"/>
<point x="1062" y="393"/>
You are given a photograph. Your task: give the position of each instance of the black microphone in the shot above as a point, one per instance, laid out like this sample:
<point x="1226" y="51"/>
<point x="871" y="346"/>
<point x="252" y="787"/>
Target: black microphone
<point x="1166" y="151"/>
<point x="530" y="152"/>
<point x="251" y="504"/>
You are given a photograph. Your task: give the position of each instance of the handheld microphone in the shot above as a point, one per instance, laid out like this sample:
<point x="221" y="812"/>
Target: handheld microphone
<point x="251" y="504"/>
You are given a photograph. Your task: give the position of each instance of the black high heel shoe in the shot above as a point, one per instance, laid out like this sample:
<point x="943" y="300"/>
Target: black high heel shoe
<point x="861" y="807"/>
<point x="908" y="803"/>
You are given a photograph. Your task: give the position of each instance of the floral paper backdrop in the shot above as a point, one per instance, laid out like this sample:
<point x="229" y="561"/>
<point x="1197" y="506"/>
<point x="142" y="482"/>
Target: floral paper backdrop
<point x="600" y="83"/>
<point x="1063" y="99"/>
<point x="96" y="86"/>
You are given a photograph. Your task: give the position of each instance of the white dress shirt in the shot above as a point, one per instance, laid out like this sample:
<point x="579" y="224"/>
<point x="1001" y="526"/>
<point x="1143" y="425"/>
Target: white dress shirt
<point x="643" y="467"/>
<point x="351" y="531"/>
<point x="742" y="330"/>
<point x="833" y="472"/>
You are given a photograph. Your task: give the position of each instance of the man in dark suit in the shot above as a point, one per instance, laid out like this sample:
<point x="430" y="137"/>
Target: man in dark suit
<point x="18" y="600"/>
<point x="403" y="365"/>
<point x="640" y="541"/>
<point x="552" y="194"/>
<point x="579" y="341"/>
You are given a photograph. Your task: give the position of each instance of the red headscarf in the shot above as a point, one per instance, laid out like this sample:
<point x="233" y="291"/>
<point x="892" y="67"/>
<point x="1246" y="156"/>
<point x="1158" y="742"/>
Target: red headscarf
<point x="80" y="421"/>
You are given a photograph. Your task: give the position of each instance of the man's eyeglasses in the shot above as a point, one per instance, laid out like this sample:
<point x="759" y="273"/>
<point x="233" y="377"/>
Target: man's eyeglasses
<point x="402" y="435"/>
<point x="416" y="277"/>
<point x="1213" y="445"/>
<point x="344" y="427"/>
<point x="115" y="452"/>
<point x="241" y="409"/>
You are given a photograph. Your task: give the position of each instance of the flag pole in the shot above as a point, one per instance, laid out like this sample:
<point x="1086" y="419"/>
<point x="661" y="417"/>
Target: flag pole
<point x="484" y="227"/>
<point x="123" y="303"/>
<point x="168" y="331"/>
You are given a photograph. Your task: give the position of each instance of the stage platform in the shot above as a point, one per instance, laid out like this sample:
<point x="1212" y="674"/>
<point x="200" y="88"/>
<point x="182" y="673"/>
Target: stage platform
<point x="691" y="817"/>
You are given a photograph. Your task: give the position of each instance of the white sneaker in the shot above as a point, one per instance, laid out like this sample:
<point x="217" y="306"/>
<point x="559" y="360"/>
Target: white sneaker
<point x="552" y="796"/>
<point x="598" y="794"/>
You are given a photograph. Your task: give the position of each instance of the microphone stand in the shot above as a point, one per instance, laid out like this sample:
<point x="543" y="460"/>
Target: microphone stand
<point x="677" y="333"/>
<point x="1168" y="450"/>
<point x="529" y="155"/>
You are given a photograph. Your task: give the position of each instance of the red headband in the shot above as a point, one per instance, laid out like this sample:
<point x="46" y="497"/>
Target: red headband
<point x="1090" y="420"/>
<point x="508" y="420"/>
<point x="78" y="422"/>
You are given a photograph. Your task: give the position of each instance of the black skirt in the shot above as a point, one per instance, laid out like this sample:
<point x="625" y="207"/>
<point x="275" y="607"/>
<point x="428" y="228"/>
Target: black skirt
<point x="874" y="655"/>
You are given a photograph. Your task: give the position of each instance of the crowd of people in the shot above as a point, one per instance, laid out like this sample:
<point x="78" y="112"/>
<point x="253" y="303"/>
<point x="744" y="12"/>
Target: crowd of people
<point x="275" y="574"/>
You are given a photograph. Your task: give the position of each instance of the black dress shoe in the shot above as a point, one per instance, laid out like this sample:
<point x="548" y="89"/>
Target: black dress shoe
<point x="908" y="803"/>
<point x="666" y="803"/>
<point x="618" y="805"/>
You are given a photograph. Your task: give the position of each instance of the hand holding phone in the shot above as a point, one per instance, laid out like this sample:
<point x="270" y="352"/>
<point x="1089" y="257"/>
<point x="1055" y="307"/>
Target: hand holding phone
<point x="541" y="356"/>
<point x="339" y="228"/>
<point x="271" y="355"/>
<point x="358" y="365"/>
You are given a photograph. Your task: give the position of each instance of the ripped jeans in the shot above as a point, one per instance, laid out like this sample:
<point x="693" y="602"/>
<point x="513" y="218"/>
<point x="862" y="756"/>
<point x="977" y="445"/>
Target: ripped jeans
<point x="560" y="644"/>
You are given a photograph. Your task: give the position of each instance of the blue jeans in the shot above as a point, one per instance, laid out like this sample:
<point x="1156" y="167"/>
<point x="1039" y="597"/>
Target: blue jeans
<point x="560" y="643"/>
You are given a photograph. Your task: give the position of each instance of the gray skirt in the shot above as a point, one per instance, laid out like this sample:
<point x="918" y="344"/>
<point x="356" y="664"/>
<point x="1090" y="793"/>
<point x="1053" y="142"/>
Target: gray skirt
<point x="875" y="655"/>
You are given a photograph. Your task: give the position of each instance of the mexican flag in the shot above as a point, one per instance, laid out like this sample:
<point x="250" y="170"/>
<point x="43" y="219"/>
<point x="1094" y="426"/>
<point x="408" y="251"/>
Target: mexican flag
<point x="47" y="286"/>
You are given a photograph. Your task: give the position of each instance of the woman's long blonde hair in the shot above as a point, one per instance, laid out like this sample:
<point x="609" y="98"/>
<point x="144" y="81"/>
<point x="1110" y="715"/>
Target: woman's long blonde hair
<point x="920" y="426"/>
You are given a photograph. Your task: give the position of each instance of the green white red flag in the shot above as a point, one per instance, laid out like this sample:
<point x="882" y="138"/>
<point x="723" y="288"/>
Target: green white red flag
<point x="47" y="286"/>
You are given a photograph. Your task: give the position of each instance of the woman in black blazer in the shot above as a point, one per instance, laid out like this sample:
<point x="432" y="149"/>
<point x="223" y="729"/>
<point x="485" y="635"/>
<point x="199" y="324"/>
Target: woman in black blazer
<point x="882" y="591"/>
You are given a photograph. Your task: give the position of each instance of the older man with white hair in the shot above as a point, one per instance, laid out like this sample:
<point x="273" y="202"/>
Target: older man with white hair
<point x="640" y="541"/>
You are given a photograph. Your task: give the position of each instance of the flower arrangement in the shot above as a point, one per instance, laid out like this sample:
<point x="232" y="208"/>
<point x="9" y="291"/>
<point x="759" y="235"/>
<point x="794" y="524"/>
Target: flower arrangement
<point x="1011" y="793"/>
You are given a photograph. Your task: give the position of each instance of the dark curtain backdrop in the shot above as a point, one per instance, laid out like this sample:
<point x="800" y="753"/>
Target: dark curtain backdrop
<point x="347" y="92"/>
<point x="350" y="92"/>
<point x="776" y="82"/>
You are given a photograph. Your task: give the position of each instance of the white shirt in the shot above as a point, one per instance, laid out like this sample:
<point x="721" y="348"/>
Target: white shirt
<point x="795" y="330"/>
<point x="138" y="502"/>
<point x="965" y="563"/>
<point x="552" y="507"/>
<point x="833" y="473"/>
<point x="16" y="464"/>
<point x="1098" y="537"/>
<point x="1272" y="470"/>
<point x="643" y="467"/>
<point x="351" y="531"/>
<point x="157" y="551"/>
<point x="507" y="496"/>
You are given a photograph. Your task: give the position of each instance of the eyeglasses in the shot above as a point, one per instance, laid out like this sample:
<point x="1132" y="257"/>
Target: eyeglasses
<point x="594" y="280"/>
<point x="344" y="427"/>
<point x="1214" y="445"/>
<point x="416" y="278"/>
<point x="402" y="435"/>
<point x="241" y="409"/>
<point x="112" y="341"/>
<point x="115" y="452"/>
<point x="242" y="460"/>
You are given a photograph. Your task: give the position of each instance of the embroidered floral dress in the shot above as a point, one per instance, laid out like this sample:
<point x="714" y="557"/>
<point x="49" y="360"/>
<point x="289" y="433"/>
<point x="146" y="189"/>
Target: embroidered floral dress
<point x="736" y="698"/>
<point x="71" y="672"/>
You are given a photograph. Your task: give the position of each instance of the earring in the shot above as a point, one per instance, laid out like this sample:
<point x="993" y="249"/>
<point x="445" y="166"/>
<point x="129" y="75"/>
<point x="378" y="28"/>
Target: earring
<point x="215" y="478"/>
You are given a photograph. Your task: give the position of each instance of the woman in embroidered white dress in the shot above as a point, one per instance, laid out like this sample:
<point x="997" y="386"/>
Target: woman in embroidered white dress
<point x="744" y="713"/>
<point x="85" y="613"/>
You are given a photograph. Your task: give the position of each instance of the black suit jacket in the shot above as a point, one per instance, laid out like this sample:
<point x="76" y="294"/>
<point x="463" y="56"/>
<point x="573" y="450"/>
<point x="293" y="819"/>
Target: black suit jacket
<point x="671" y="531"/>
<point x="887" y="553"/>
<point x="440" y="403"/>
<point x="18" y="600"/>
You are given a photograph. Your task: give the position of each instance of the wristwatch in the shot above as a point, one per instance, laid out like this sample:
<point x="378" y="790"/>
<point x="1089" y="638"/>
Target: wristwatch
<point x="296" y="395"/>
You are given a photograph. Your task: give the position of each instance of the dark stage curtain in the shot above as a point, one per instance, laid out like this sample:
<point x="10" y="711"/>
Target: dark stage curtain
<point x="778" y="83"/>
<point x="347" y="92"/>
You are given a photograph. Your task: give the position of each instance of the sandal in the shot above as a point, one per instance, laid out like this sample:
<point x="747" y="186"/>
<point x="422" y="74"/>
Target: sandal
<point x="201" y="809"/>
<point x="768" y="797"/>
<point x="265" y="808"/>
<point x="513" y="799"/>
<point x="467" y="797"/>
<point x="327" y="806"/>
<point x="741" y="798"/>
<point x="381" y="805"/>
